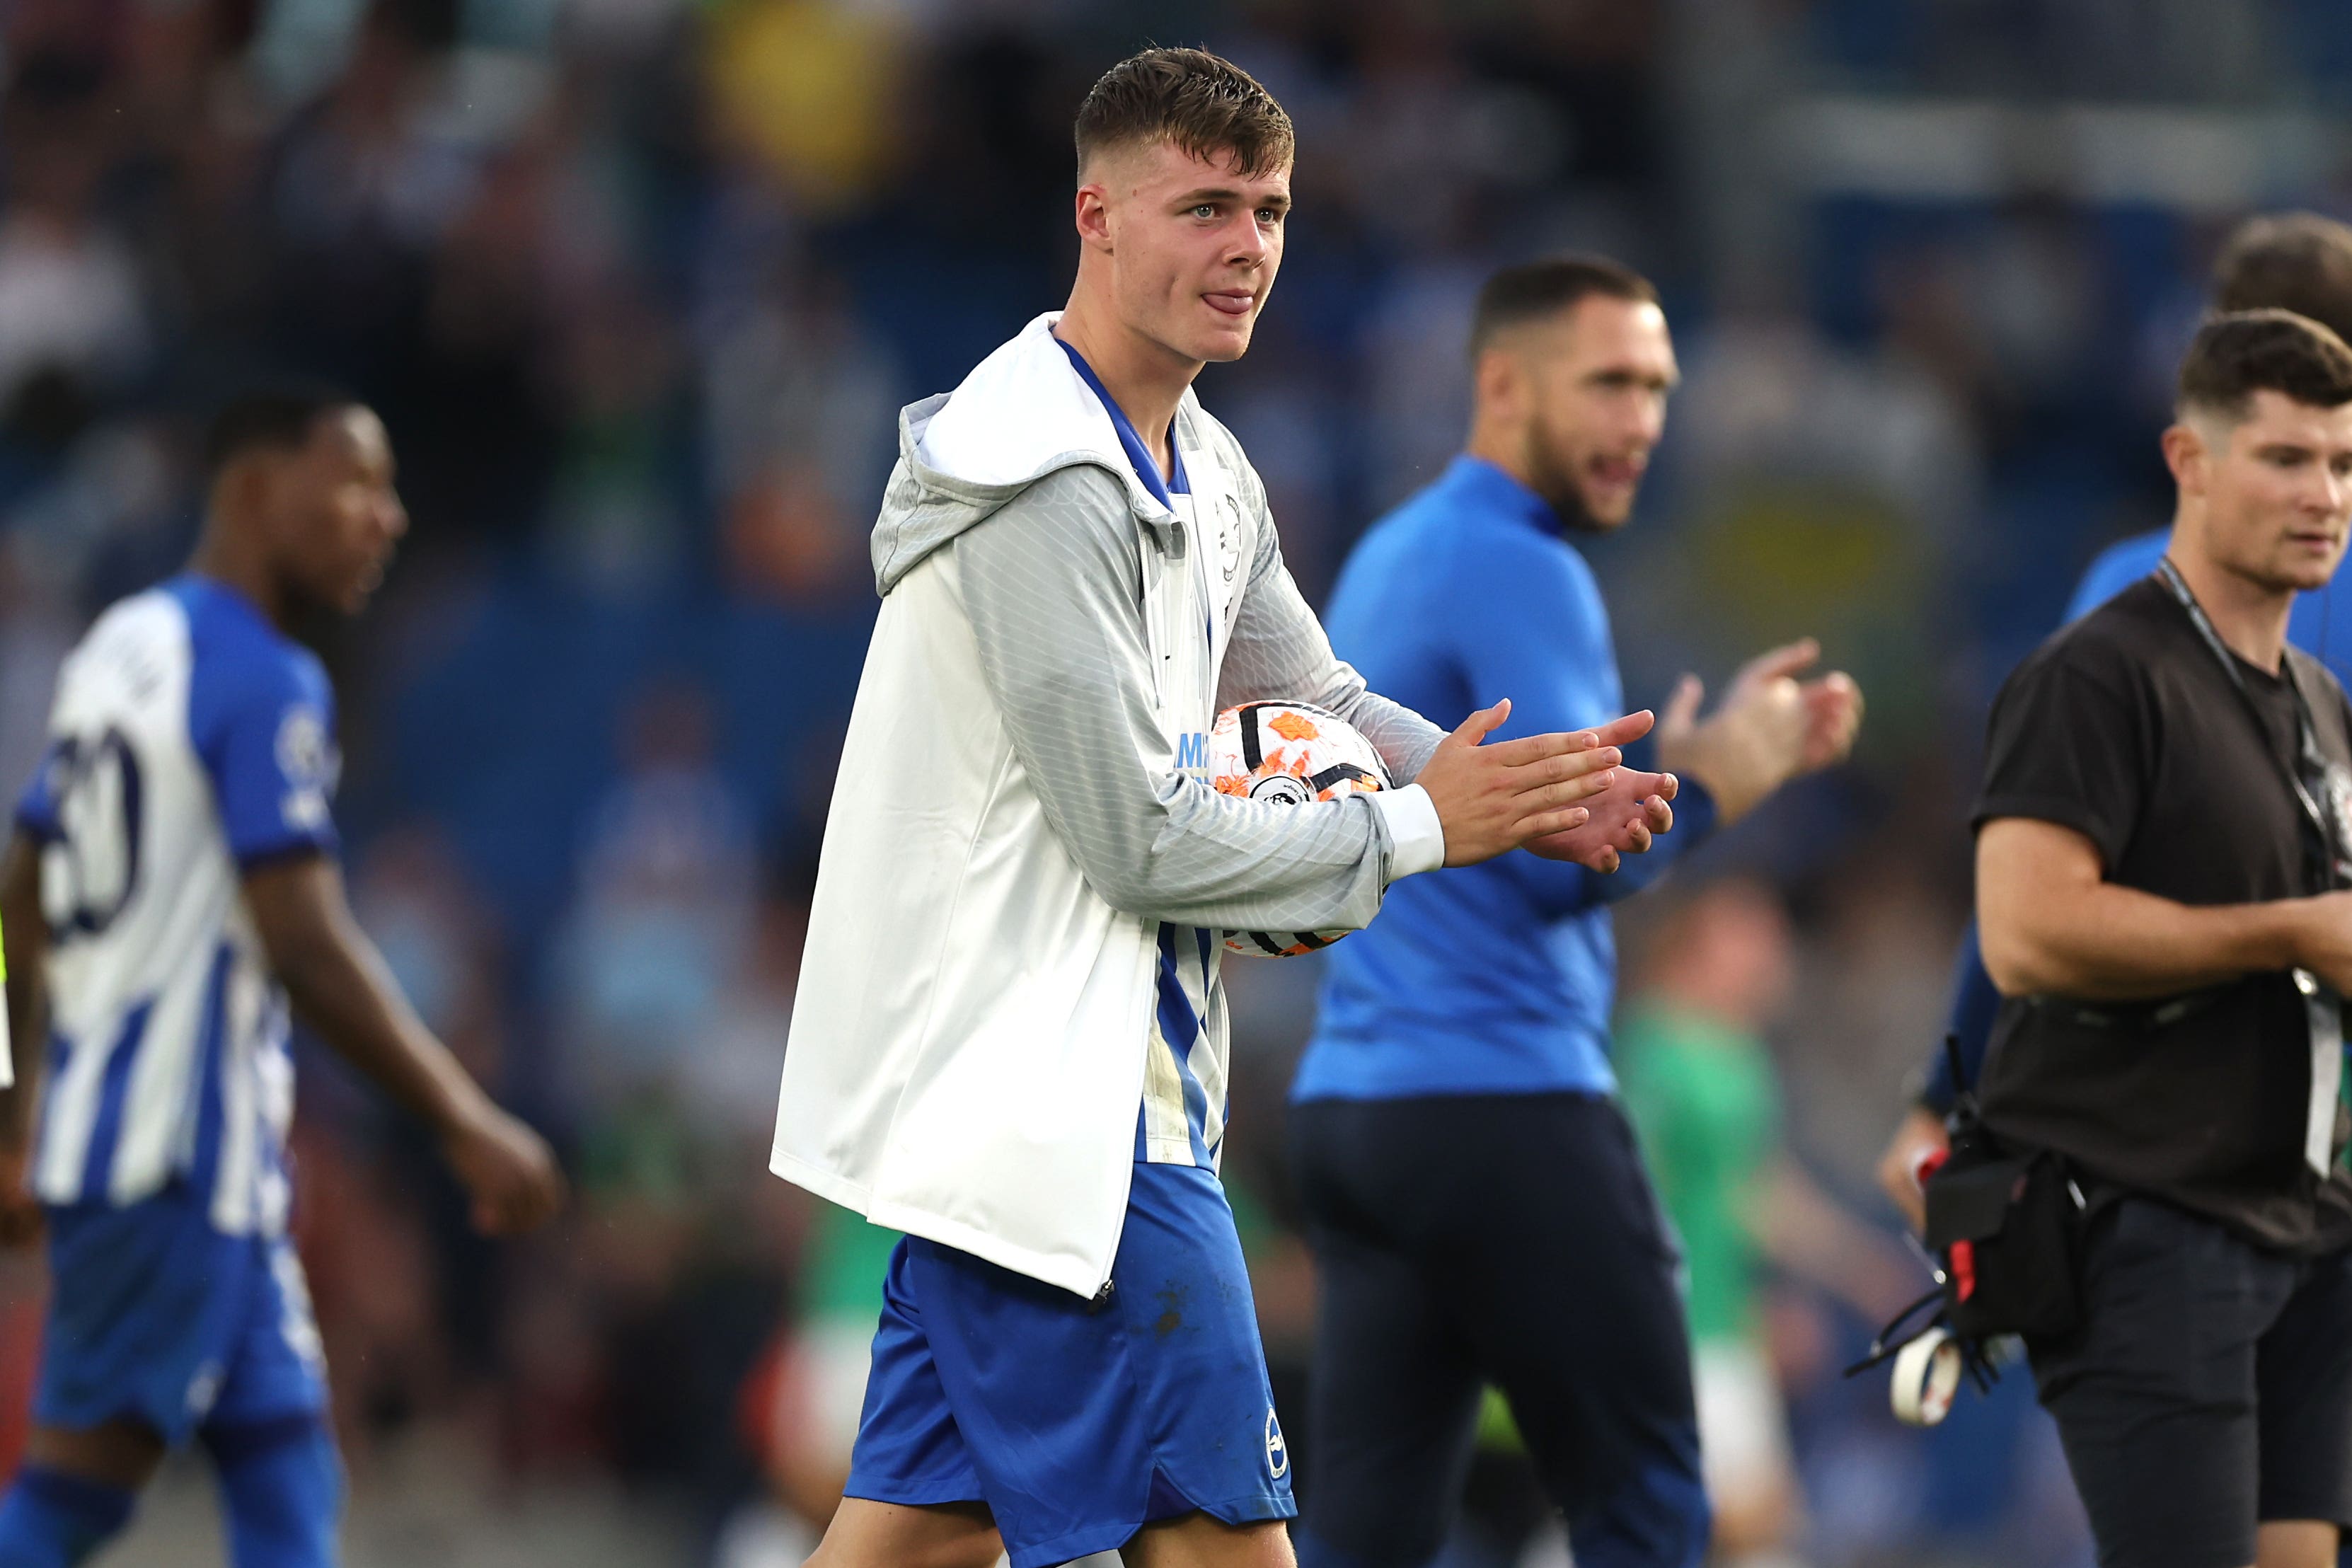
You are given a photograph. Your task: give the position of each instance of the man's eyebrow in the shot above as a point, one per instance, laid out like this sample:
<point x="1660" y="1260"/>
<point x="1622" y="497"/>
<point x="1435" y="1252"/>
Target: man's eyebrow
<point x="1669" y="379"/>
<point x="1230" y="193"/>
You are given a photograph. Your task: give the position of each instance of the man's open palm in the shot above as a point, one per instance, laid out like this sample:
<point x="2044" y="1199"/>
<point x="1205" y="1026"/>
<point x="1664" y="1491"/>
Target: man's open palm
<point x="1625" y="818"/>
<point x="1492" y="798"/>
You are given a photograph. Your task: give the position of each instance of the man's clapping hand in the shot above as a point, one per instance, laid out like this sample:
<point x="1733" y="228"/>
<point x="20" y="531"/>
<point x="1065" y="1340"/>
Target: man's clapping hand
<point x="1498" y="798"/>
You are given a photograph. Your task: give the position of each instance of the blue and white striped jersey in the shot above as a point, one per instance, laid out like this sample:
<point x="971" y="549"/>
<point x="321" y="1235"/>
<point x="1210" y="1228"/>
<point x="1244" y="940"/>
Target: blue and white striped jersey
<point x="1184" y="1078"/>
<point x="189" y="739"/>
<point x="1183" y="1118"/>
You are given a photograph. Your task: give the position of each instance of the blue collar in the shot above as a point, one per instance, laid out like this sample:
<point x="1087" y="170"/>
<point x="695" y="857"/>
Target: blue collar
<point x="1476" y="483"/>
<point x="1146" y="467"/>
<point x="196" y="581"/>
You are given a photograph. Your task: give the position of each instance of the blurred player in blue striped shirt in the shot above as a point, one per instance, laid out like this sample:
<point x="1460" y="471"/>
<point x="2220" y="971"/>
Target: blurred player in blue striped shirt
<point x="173" y="899"/>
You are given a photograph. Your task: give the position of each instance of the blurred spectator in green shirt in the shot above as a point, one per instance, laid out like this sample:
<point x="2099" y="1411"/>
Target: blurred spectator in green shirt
<point x="1701" y="1087"/>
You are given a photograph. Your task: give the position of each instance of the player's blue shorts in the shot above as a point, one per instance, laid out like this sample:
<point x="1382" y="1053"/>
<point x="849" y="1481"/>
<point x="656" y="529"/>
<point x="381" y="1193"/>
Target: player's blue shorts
<point x="157" y="1318"/>
<point x="1076" y="1424"/>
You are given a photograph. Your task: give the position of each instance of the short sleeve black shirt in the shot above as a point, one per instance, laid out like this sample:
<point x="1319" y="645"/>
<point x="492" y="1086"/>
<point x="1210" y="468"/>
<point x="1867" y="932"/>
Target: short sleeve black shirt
<point x="2126" y="728"/>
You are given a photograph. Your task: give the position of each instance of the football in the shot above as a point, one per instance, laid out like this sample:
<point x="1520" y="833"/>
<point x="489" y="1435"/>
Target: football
<point x="1290" y="753"/>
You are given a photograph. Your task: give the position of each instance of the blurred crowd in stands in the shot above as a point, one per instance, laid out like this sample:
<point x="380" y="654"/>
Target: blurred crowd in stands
<point x="639" y="287"/>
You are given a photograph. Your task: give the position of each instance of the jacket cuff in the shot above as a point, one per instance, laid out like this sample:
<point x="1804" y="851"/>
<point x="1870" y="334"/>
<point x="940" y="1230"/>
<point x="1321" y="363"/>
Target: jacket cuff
<point x="1416" y="838"/>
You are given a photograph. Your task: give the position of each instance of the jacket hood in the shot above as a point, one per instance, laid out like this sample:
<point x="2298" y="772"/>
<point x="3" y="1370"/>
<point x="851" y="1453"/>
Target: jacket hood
<point x="1022" y="412"/>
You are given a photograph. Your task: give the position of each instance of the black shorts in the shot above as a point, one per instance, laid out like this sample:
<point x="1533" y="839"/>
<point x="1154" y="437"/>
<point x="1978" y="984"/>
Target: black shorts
<point x="2210" y="1388"/>
<point x="1505" y="1239"/>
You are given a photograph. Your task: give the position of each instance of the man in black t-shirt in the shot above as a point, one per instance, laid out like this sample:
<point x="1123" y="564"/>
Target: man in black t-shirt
<point x="2296" y="262"/>
<point x="2162" y="841"/>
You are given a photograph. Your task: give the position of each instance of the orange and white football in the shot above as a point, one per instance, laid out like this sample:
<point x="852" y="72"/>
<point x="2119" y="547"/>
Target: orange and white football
<point x="1290" y="753"/>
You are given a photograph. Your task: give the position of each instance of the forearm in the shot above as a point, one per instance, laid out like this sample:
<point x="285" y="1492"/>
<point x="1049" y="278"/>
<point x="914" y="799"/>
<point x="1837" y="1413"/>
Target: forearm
<point x="2110" y="944"/>
<point x="1689" y="759"/>
<point x="1222" y="862"/>
<point x="1058" y="633"/>
<point x="1154" y="842"/>
<point x="24" y="931"/>
<point x="1726" y="764"/>
<point x="1404" y="740"/>
<point x="1975" y="1003"/>
<point x="26" y="1013"/>
<point x="1810" y="1236"/>
<point x="341" y="990"/>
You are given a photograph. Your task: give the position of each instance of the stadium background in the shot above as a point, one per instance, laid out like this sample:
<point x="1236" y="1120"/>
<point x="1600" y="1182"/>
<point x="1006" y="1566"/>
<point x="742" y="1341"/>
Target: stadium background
<point x="638" y="286"/>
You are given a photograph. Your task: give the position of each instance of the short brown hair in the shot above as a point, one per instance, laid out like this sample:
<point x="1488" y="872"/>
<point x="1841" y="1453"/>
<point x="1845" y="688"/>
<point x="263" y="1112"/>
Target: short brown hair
<point x="1193" y="101"/>
<point x="2288" y="261"/>
<point x="2233" y="356"/>
<point x="1534" y="291"/>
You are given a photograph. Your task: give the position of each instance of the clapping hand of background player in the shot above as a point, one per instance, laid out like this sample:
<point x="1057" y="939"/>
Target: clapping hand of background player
<point x="1498" y="798"/>
<point x="1770" y="727"/>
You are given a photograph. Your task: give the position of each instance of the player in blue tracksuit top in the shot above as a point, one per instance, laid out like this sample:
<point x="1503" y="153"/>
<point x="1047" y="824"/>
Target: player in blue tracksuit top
<point x="1473" y="1196"/>
<point x="2291" y="261"/>
<point x="1469" y="587"/>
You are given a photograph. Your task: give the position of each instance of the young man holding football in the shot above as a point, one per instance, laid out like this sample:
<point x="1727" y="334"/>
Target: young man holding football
<point x="1010" y="1037"/>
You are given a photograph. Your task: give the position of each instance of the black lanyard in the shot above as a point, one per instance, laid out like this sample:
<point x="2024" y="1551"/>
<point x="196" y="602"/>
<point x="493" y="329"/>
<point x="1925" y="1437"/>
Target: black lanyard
<point x="2313" y="764"/>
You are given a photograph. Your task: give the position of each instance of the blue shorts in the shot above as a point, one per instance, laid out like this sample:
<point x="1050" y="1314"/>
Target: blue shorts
<point x="157" y="1318"/>
<point x="1078" y="1425"/>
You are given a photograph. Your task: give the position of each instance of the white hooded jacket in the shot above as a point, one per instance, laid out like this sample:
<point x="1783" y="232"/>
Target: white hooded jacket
<point x="1022" y="805"/>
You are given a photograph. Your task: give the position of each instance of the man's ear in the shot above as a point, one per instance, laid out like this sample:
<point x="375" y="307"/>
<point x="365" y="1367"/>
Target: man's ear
<point x="2188" y="455"/>
<point x="1500" y="378"/>
<point x="1092" y="217"/>
<point x="241" y="488"/>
